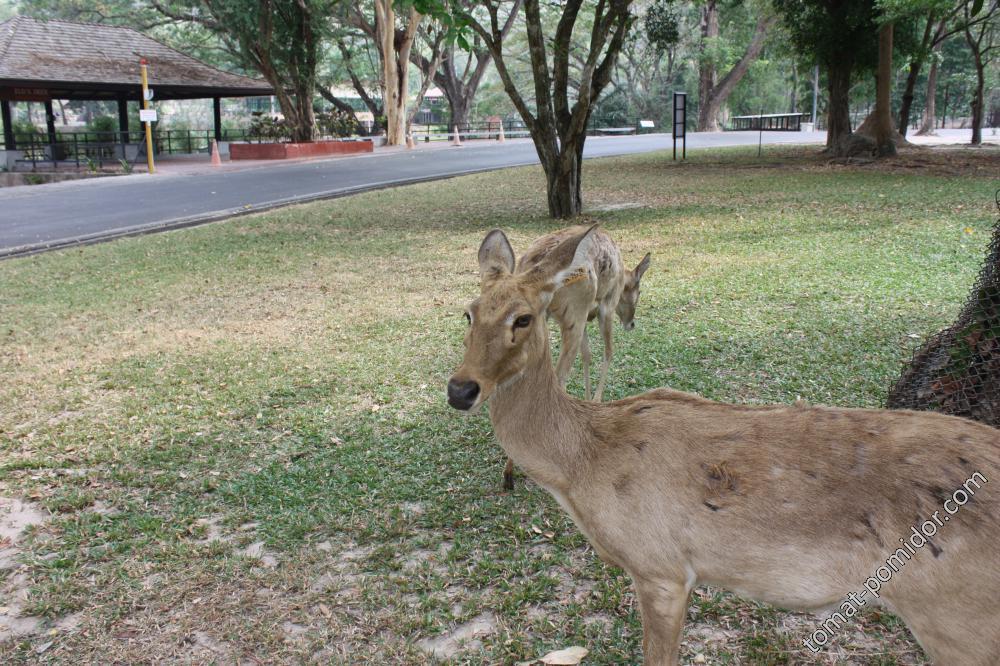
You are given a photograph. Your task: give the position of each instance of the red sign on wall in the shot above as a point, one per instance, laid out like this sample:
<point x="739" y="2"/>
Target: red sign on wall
<point x="16" y="94"/>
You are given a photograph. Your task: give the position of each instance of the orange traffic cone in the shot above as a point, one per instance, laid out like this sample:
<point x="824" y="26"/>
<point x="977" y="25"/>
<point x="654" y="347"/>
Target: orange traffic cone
<point x="216" y="158"/>
<point x="457" y="141"/>
<point x="500" y="137"/>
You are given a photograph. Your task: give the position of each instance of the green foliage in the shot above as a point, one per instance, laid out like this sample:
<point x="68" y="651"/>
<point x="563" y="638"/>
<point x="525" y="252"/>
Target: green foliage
<point x="24" y="128"/>
<point x="829" y="32"/>
<point x="337" y="123"/>
<point x="267" y="128"/>
<point x="662" y="24"/>
<point x="103" y="124"/>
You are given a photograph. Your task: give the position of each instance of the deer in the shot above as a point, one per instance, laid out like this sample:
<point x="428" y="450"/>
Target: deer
<point x="606" y="288"/>
<point x="792" y="505"/>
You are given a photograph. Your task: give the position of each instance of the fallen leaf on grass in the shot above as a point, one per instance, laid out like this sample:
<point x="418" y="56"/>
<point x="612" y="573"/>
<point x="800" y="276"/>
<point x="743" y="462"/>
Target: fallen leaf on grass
<point x="566" y="657"/>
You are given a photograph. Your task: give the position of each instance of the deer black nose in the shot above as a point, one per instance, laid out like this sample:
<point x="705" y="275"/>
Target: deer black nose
<point x="462" y="395"/>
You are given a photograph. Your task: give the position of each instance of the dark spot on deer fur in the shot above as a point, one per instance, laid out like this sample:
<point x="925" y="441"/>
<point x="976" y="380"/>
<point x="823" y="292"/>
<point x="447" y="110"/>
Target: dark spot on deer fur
<point x="935" y="550"/>
<point x="622" y="483"/>
<point x="962" y="461"/>
<point x="721" y="479"/>
<point x="867" y="520"/>
<point x="639" y="446"/>
<point x="937" y="493"/>
<point x="711" y="506"/>
<point x="811" y="474"/>
<point x="642" y="408"/>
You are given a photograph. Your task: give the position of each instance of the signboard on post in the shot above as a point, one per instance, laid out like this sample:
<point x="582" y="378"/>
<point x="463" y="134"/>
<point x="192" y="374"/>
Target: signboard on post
<point x="18" y="94"/>
<point x="147" y="115"/>
<point x="680" y="123"/>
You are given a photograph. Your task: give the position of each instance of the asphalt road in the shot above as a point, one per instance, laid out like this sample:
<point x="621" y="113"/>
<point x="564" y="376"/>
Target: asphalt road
<point x="37" y="218"/>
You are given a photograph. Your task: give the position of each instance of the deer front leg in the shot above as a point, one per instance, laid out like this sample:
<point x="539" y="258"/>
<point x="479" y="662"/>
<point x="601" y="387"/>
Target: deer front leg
<point x="585" y="357"/>
<point x="606" y="321"/>
<point x="508" y="475"/>
<point x="663" y="605"/>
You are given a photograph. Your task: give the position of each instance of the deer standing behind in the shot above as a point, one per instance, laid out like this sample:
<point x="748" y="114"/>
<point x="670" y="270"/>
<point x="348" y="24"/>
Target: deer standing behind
<point x="604" y="289"/>
<point x="795" y="506"/>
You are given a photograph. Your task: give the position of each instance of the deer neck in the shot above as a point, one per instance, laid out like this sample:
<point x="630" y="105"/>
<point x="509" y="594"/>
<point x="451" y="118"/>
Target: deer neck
<point x="542" y="428"/>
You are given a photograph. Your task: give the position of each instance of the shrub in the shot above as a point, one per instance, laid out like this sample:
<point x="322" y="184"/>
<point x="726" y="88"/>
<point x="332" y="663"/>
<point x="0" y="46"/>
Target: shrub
<point x="337" y="123"/>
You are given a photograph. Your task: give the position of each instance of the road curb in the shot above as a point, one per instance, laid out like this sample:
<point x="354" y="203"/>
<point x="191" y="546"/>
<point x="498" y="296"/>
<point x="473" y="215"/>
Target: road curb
<point x="219" y="216"/>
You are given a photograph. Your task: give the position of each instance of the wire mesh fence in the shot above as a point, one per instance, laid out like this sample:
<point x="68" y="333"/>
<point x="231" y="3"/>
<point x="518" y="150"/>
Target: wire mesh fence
<point x="957" y="371"/>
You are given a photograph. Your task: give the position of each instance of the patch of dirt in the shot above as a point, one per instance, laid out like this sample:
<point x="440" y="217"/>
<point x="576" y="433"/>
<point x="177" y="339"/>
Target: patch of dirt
<point x="256" y="551"/>
<point x="16" y="516"/>
<point x="463" y="637"/>
<point x="213" y="529"/>
<point x="607" y="207"/>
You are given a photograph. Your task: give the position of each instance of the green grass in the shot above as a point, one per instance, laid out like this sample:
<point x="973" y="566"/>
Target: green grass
<point x="283" y="374"/>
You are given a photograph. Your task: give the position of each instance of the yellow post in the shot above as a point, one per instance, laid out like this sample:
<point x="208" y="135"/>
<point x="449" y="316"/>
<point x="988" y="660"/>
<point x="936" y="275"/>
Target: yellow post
<point x="149" y="125"/>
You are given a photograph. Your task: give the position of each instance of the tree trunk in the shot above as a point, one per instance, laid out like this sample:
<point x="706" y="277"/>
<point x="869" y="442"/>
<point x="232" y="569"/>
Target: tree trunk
<point x="930" y="112"/>
<point x="707" y="121"/>
<point x="562" y="176"/>
<point x="911" y="77"/>
<point x="838" y="120"/>
<point x="885" y="145"/>
<point x="394" y="50"/>
<point x="793" y="97"/>
<point x="977" y="100"/>
<point x="712" y="99"/>
<point x="977" y="106"/>
<point x="458" y="111"/>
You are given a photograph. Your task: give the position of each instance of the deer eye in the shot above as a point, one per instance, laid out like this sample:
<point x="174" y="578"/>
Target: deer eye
<point x="523" y="321"/>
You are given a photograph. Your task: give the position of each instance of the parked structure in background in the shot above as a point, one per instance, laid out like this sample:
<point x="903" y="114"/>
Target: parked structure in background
<point x="46" y="61"/>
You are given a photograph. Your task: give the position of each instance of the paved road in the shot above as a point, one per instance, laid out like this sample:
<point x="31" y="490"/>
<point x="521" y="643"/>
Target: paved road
<point x="51" y="216"/>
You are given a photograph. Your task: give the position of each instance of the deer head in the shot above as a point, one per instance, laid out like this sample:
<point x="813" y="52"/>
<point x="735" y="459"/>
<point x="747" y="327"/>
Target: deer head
<point x="507" y="329"/>
<point x="630" y="294"/>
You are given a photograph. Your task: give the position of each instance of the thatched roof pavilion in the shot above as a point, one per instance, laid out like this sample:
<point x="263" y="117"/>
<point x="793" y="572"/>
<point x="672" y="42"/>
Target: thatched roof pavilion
<point x="45" y="60"/>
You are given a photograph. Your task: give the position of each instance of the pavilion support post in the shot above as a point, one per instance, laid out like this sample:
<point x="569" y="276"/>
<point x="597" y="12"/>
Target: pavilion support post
<point x="123" y="124"/>
<point x="217" y="117"/>
<point x="50" y="121"/>
<point x="8" y="125"/>
<point x="123" y="115"/>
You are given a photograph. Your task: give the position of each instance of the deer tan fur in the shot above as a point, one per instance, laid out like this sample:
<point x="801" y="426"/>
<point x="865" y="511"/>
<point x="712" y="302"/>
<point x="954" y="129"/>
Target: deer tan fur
<point x="795" y="506"/>
<point x="604" y="289"/>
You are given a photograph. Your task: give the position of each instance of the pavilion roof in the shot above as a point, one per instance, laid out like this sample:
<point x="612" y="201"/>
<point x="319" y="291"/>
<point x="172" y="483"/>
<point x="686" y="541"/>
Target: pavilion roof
<point x="97" y="61"/>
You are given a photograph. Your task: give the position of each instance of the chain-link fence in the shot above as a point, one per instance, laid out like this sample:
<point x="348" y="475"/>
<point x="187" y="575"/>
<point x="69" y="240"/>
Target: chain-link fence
<point x="957" y="371"/>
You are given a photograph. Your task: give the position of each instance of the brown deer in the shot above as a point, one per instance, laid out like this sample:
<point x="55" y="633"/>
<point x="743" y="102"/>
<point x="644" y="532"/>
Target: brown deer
<point x="791" y="505"/>
<point x="605" y="288"/>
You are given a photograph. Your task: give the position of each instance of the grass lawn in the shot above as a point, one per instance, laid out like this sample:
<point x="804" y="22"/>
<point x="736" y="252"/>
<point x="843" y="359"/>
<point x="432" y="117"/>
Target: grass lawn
<point x="237" y="448"/>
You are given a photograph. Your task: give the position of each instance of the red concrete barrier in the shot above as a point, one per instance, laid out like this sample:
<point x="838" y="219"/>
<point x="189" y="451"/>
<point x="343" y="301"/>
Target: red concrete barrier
<point x="287" y="151"/>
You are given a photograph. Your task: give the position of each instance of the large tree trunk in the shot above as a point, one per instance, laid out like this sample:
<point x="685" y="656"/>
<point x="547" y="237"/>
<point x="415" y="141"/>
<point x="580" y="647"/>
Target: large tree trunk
<point x="884" y="131"/>
<point x="838" y="119"/>
<point x="930" y="111"/>
<point x="977" y="101"/>
<point x="712" y="98"/>
<point x="562" y="177"/>
<point x="458" y="110"/>
<point x="394" y="49"/>
<point x="911" y="78"/>
<point x="707" y="121"/>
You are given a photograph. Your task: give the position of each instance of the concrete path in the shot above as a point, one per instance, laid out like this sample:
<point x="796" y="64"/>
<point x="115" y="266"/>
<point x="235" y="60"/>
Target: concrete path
<point x="37" y="218"/>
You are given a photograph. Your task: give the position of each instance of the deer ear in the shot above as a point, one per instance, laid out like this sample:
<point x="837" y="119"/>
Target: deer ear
<point x="571" y="259"/>
<point x="641" y="268"/>
<point x="495" y="254"/>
